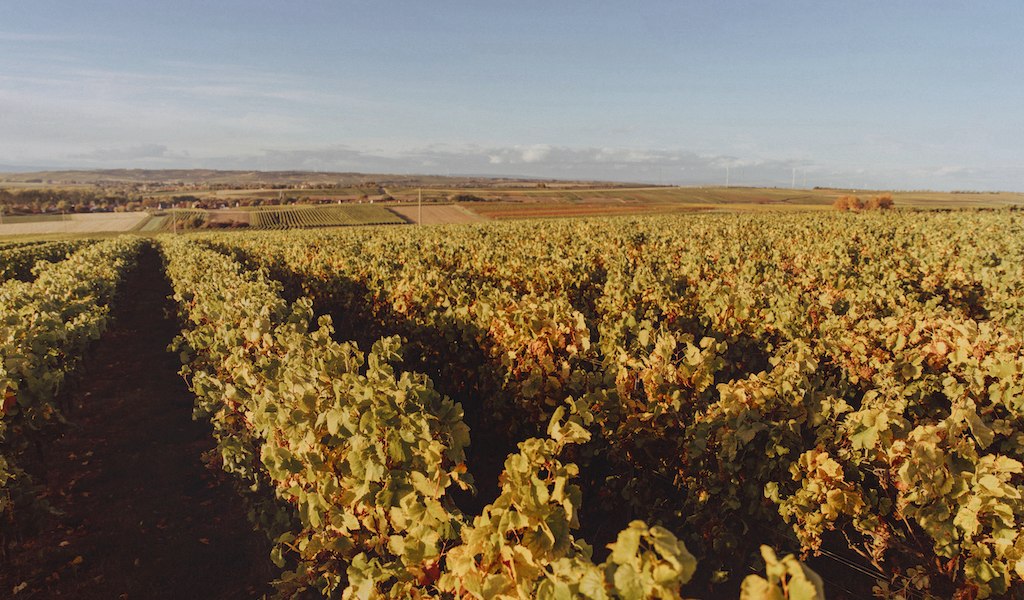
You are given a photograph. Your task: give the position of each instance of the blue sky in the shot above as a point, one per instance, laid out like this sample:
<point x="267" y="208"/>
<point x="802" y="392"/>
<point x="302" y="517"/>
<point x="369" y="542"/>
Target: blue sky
<point x="897" y="94"/>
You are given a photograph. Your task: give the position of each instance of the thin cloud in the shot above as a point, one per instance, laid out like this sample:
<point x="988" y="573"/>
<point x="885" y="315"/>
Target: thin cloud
<point x="12" y="36"/>
<point x="536" y="154"/>
<point x="142" y="151"/>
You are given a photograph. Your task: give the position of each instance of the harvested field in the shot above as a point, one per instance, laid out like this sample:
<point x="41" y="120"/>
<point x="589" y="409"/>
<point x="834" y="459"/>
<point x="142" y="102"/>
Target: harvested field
<point x="75" y="223"/>
<point x="230" y="217"/>
<point x="436" y="215"/>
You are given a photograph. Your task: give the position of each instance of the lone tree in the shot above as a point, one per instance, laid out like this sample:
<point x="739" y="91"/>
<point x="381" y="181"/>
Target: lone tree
<point x="848" y="203"/>
<point x="879" y="202"/>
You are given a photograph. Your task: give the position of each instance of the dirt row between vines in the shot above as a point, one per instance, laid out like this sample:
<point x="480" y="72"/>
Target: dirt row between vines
<point x="139" y="514"/>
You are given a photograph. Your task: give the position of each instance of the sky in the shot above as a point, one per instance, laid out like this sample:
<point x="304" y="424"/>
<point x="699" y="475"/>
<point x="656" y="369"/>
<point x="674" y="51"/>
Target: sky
<point x="896" y="94"/>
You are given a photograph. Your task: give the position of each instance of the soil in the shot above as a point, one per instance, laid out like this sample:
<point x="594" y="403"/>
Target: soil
<point x="233" y="218"/>
<point x="140" y="514"/>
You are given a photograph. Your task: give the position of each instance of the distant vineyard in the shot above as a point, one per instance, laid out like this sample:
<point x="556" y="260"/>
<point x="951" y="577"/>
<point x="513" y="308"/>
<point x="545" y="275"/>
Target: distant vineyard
<point x="274" y="217"/>
<point x="288" y="217"/>
<point x="179" y="219"/>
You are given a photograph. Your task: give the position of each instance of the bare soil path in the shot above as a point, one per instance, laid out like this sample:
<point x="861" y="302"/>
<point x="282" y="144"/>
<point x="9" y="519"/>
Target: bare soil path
<point x="142" y="517"/>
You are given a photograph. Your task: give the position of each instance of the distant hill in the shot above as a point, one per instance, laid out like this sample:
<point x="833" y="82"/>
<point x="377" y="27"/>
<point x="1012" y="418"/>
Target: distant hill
<point x="287" y="178"/>
<point x="16" y="169"/>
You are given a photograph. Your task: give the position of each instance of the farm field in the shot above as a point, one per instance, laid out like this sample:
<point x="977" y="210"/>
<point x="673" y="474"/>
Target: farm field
<point x="433" y="214"/>
<point x="605" y="208"/>
<point x="512" y="301"/>
<point x="72" y="223"/>
<point x="297" y="217"/>
<point x="570" y="202"/>
<point x="233" y="185"/>
<point x="663" y="199"/>
<point x="213" y="199"/>
<point x="534" y="406"/>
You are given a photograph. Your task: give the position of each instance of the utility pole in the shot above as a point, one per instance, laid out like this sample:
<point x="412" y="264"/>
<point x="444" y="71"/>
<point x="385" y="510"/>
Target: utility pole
<point x="419" y="209"/>
<point x="726" y="175"/>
